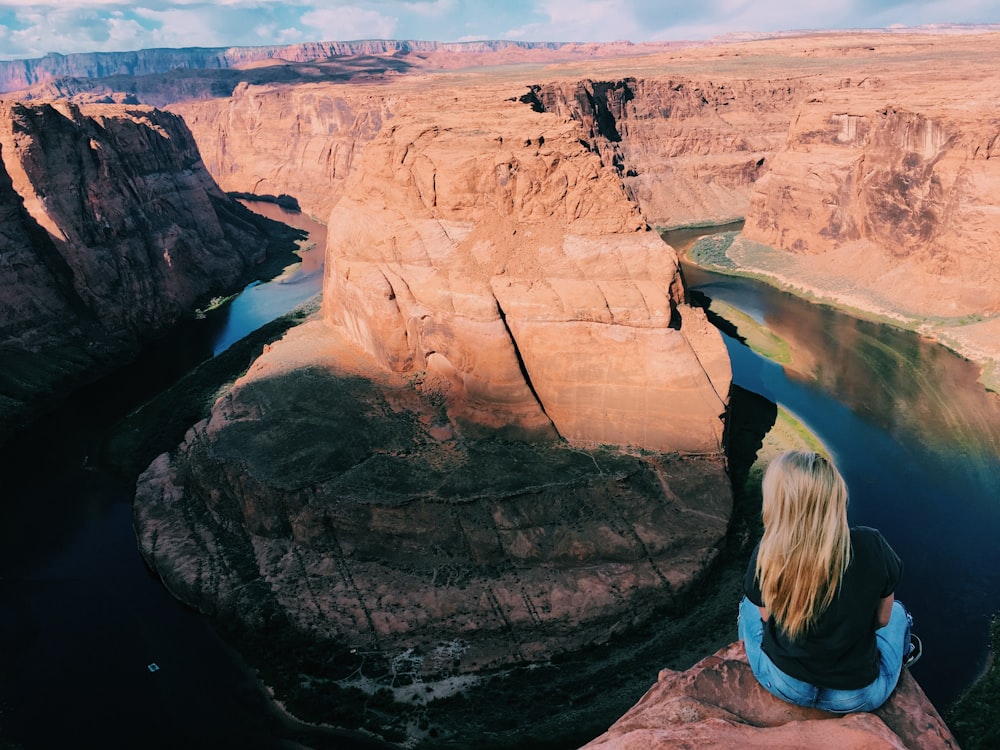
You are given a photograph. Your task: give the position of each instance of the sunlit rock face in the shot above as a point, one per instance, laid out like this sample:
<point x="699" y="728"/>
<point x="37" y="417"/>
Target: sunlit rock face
<point x="112" y="231"/>
<point x="719" y="703"/>
<point x="901" y="192"/>
<point x="688" y="147"/>
<point x="503" y="260"/>
<point x="298" y="140"/>
<point x="502" y="439"/>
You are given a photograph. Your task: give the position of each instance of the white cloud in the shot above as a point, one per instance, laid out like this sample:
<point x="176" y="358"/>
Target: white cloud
<point x="349" y="22"/>
<point x="30" y="28"/>
<point x="433" y="8"/>
<point x="580" y="21"/>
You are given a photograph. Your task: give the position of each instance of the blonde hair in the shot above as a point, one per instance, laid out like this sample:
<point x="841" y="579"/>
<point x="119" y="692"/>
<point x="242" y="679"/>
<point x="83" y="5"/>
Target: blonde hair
<point x="806" y="545"/>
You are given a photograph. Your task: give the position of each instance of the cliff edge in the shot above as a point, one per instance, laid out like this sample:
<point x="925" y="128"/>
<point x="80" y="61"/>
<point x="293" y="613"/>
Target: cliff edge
<point x="719" y="703"/>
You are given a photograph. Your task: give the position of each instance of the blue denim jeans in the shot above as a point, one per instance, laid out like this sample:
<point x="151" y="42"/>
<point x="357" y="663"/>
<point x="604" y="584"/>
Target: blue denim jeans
<point x="891" y="640"/>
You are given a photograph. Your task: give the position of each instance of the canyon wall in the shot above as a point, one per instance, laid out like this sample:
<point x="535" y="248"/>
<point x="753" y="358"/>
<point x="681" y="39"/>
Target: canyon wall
<point x="297" y="140"/>
<point x="502" y="440"/>
<point x="503" y="261"/>
<point x="21" y="74"/>
<point x="113" y="230"/>
<point x="434" y="458"/>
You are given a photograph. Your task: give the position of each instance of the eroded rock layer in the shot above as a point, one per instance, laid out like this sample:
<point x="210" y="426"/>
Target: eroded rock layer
<point x="515" y="272"/>
<point x="112" y="230"/>
<point x="329" y="490"/>
<point x="719" y="703"/>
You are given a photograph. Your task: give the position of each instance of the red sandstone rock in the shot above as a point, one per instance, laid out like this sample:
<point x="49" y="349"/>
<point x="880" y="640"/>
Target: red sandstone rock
<point x="112" y="230"/>
<point x="719" y="703"/>
<point x="328" y="488"/>
<point x="515" y="270"/>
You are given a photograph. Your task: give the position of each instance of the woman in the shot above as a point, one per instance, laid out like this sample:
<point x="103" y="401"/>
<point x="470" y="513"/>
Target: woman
<point x="819" y="618"/>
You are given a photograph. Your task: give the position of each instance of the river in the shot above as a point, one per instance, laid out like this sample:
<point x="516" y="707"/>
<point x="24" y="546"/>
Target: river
<point x="94" y="652"/>
<point x="917" y="439"/>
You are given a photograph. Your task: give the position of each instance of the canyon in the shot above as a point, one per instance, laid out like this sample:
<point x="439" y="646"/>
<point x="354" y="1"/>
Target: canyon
<point x="501" y="440"/>
<point x="113" y="231"/>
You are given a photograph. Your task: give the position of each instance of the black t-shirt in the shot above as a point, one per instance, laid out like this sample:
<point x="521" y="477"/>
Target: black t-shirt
<point x="838" y="651"/>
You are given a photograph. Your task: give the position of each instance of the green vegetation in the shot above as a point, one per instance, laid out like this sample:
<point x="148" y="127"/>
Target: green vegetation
<point x="711" y="251"/>
<point x="754" y="334"/>
<point x="975" y="716"/>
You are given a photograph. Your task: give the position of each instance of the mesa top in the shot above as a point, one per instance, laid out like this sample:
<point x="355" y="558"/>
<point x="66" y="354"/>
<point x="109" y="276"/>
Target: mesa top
<point x="838" y="651"/>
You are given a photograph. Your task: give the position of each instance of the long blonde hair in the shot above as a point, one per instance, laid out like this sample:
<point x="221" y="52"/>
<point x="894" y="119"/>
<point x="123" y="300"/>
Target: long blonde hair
<point x="806" y="545"/>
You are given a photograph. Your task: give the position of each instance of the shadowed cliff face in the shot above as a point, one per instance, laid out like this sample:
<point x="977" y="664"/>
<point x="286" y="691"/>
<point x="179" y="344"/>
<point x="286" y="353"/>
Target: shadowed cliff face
<point x="113" y="230"/>
<point x="329" y="490"/>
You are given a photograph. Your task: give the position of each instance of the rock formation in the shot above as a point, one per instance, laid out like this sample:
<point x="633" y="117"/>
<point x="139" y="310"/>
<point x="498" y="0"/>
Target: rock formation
<point x="883" y="198"/>
<point x="503" y="439"/>
<point x="502" y="442"/>
<point x="490" y="288"/>
<point x="719" y="703"/>
<point x="515" y="272"/>
<point x="332" y="491"/>
<point x="112" y="231"/>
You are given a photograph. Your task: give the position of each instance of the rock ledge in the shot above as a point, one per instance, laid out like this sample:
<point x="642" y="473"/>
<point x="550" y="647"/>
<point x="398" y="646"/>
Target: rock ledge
<point x="719" y="703"/>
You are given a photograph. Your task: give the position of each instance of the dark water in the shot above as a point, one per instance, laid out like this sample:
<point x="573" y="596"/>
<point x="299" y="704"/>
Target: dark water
<point x="93" y="650"/>
<point x="918" y="441"/>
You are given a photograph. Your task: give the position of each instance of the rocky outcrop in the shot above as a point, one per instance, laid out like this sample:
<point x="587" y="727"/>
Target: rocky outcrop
<point x="297" y="140"/>
<point x="501" y="442"/>
<point x="687" y="148"/>
<point x="514" y="273"/>
<point x="329" y="492"/>
<point x="719" y="703"/>
<point x="112" y="231"/>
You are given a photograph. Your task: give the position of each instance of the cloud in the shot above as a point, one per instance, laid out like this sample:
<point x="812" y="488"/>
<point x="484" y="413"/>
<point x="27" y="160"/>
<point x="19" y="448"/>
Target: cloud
<point x="349" y="22"/>
<point x="30" y="28"/>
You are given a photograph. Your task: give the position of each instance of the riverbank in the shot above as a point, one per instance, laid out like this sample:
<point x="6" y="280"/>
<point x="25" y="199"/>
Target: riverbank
<point x="972" y="337"/>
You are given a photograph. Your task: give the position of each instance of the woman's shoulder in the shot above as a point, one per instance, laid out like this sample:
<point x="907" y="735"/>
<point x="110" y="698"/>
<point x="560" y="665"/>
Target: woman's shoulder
<point x="867" y="541"/>
<point x="865" y="533"/>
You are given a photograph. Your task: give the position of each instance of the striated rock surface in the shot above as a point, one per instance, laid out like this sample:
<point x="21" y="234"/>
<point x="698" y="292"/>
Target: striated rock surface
<point x="297" y="140"/>
<point x="719" y="703"/>
<point x="514" y="273"/>
<point x="884" y="197"/>
<point x="328" y="492"/>
<point x="112" y="230"/>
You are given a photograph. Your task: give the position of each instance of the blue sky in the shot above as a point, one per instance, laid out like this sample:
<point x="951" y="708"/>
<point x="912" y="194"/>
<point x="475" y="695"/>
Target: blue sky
<point x="30" y="29"/>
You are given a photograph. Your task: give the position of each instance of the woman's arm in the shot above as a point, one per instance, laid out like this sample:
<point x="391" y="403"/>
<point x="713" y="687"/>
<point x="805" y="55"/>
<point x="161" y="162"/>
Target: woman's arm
<point x="885" y="610"/>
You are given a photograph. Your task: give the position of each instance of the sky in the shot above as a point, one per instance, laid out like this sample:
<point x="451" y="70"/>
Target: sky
<point x="29" y="28"/>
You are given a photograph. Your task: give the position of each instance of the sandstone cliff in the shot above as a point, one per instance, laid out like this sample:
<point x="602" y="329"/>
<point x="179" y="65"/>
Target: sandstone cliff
<point x="112" y="231"/>
<point x="503" y="440"/>
<point x="719" y="703"/>
<point x="884" y="196"/>
<point x="505" y="263"/>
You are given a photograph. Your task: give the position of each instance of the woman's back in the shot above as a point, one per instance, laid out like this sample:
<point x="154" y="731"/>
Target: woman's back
<point x="839" y="649"/>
